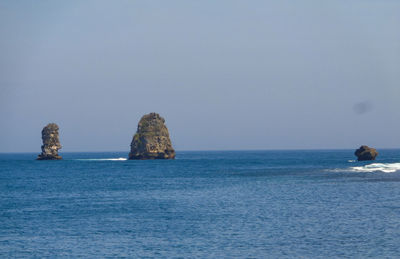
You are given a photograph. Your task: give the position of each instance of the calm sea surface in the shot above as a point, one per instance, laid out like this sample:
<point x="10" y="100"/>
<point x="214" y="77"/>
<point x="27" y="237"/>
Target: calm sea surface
<point x="258" y="204"/>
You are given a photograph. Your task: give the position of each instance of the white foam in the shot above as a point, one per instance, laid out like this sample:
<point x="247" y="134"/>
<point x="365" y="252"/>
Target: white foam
<point x="351" y="161"/>
<point x="377" y="167"/>
<point x="104" y="159"/>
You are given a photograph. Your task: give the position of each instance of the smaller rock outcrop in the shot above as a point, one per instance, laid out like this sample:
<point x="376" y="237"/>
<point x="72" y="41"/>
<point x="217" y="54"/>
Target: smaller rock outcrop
<point x="365" y="153"/>
<point x="151" y="140"/>
<point x="51" y="143"/>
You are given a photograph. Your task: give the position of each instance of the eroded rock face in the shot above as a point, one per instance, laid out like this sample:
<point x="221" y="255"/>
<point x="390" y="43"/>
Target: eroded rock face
<point x="151" y="140"/>
<point x="366" y="153"/>
<point x="51" y="143"/>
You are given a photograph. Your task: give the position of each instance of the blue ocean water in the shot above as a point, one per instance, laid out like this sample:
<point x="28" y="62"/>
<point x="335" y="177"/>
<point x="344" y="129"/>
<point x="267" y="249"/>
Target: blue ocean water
<point x="236" y="204"/>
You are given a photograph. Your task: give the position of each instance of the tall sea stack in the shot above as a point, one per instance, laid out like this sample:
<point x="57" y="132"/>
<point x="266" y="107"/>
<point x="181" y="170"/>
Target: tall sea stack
<point x="151" y="140"/>
<point x="365" y="153"/>
<point x="51" y="143"/>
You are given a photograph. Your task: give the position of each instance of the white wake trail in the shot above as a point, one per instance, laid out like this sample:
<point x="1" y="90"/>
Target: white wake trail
<point x="376" y="167"/>
<point x="103" y="159"/>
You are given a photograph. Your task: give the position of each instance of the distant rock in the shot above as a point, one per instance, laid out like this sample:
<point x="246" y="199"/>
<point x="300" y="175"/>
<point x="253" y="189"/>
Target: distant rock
<point x="151" y="140"/>
<point x="51" y="143"/>
<point x="366" y="153"/>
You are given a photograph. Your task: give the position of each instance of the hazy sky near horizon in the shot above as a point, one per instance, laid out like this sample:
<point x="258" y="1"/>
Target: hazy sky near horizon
<point x="224" y="74"/>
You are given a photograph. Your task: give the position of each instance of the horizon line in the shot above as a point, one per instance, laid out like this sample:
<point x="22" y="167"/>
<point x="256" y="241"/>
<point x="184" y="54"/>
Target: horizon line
<point x="205" y="150"/>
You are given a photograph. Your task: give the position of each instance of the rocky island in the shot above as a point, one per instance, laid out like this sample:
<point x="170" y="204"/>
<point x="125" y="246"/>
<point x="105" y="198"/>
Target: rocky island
<point x="151" y="140"/>
<point x="365" y="153"/>
<point x="51" y="143"/>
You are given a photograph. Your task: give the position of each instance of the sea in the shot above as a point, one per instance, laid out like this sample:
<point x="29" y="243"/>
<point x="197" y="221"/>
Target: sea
<point x="205" y="204"/>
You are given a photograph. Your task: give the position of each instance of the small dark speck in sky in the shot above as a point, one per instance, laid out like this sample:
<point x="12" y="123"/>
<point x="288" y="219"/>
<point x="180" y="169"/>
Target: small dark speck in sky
<point x="363" y="107"/>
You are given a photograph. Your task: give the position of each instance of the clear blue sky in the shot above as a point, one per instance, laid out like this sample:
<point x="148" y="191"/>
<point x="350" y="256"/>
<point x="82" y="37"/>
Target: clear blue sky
<point x="224" y="74"/>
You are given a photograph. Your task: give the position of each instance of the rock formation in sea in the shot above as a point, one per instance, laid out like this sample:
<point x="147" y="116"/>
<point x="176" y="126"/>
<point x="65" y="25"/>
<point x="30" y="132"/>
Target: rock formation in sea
<point x="51" y="143"/>
<point x="151" y="140"/>
<point x="366" y="153"/>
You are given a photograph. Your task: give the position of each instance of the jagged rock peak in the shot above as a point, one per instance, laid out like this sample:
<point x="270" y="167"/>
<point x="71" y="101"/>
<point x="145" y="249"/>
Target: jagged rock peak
<point x="366" y="153"/>
<point x="51" y="143"/>
<point x="151" y="140"/>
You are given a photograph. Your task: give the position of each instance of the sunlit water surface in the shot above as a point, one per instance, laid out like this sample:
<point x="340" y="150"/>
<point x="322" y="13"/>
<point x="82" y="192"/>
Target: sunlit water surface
<point x="260" y="204"/>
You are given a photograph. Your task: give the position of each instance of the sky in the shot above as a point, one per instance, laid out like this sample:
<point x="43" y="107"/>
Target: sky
<point x="225" y="75"/>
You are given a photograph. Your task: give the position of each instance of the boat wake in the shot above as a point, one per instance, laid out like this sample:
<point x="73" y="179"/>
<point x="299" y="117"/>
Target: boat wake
<point x="103" y="159"/>
<point x="377" y="167"/>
